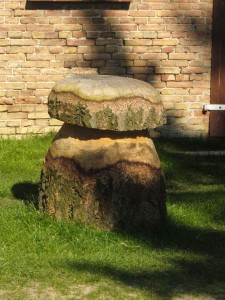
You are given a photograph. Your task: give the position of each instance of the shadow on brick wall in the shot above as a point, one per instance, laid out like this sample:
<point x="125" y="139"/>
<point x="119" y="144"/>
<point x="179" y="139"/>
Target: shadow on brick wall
<point x="102" y="42"/>
<point x="111" y="38"/>
<point x="109" y="33"/>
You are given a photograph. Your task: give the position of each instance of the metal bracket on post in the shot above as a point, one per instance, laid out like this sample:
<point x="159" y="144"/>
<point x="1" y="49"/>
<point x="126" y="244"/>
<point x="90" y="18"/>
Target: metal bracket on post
<point x="210" y="107"/>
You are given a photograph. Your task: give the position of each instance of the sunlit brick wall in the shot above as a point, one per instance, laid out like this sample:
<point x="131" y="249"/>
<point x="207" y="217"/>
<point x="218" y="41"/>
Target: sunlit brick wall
<point x="164" y="42"/>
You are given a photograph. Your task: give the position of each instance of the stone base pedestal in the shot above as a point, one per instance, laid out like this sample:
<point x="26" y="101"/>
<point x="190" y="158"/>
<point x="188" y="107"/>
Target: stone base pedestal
<point x="107" y="179"/>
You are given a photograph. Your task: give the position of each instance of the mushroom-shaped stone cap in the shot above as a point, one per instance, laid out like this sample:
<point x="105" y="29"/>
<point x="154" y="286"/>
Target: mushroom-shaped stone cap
<point x="106" y="102"/>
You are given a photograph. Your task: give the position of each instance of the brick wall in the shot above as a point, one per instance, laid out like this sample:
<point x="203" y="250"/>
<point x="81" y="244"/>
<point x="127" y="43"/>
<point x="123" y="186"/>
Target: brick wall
<point x="164" y="42"/>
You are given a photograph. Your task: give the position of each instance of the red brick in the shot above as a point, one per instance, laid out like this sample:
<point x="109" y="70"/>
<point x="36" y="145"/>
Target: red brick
<point x="27" y="108"/>
<point x="142" y="13"/>
<point x="167" y="49"/>
<point x="112" y="71"/>
<point x="78" y="42"/>
<point x="12" y="27"/>
<point x="180" y="84"/>
<point x="124" y="56"/>
<point x="70" y="64"/>
<point x="13" y="123"/>
<point x="139" y="35"/>
<point x="88" y="49"/>
<point x="124" y="27"/>
<point x="17" y="115"/>
<point x="139" y="20"/>
<point x="55" y="50"/>
<point x="12" y="57"/>
<point x="20" y="49"/>
<point x="111" y="49"/>
<point x="182" y="91"/>
<point x="67" y="27"/>
<point x="164" y="35"/>
<point x="168" y="77"/>
<point x="182" y="56"/>
<point x="65" y="57"/>
<point x="107" y="42"/>
<point x="181" y="63"/>
<point x="28" y="100"/>
<point x="154" y="56"/>
<point x="112" y="63"/>
<point x="32" y="27"/>
<point x="202" y="84"/>
<point x="159" y="70"/>
<point x="140" y="70"/>
<point x="196" y="70"/>
<point x="7" y="130"/>
<point x="38" y="115"/>
<point x="139" y="63"/>
<point x="40" y="57"/>
<point x="96" y="27"/>
<point x="196" y="91"/>
<point x="153" y="27"/>
<point x="22" y="42"/>
<point x="168" y="13"/>
<point x="111" y="13"/>
<point x="182" y="77"/>
<point x="138" y="42"/>
<point x="97" y="56"/>
<point x="5" y="100"/>
<point x="196" y="63"/>
<point x="52" y="42"/>
<point x="51" y="35"/>
<point x="140" y="49"/>
<point x="165" y="42"/>
<point x="198" y="113"/>
<point x="99" y="64"/>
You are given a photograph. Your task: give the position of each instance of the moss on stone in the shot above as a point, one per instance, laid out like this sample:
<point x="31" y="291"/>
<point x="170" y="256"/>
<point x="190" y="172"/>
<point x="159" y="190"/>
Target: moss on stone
<point x="155" y="118"/>
<point x="152" y="119"/>
<point x="59" y="196"/>
<point x="133" y="120"/>
<point x="53" y="107"/>
<point x="77" y="114"/>
<point x="106" y="119"/>
<point x="81" y="115"/>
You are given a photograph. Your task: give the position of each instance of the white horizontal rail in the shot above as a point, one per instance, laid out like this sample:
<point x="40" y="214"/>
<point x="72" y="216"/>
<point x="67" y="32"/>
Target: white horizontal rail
<point x="210" y="107"/>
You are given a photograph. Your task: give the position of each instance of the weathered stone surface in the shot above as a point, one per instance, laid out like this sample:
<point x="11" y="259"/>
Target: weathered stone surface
<point x="107" y="179"/>
<point x="106" y="102"/>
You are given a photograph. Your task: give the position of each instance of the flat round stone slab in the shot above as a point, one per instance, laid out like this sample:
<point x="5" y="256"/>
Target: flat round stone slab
<point x="106" y="102"/>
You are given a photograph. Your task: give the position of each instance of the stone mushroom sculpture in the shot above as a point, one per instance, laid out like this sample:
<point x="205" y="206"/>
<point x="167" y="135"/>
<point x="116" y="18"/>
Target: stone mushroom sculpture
<point x="102" y="167"/>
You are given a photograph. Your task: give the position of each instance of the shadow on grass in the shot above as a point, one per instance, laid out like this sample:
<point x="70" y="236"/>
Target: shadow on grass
<point x="200" y="270"/>
<point x="191" y="279"/>
<point x="180" y="168"/>
<point x="211" y="204"/>
<point x="26" y="192"/>
<point x="199" y="267"/>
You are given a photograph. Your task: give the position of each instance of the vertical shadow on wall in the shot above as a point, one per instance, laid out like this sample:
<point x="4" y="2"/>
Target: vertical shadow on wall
<point x="106" y="47"/>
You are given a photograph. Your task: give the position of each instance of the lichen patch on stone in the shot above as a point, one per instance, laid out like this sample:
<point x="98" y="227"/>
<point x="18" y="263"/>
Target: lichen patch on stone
<point x="105" y="118"/>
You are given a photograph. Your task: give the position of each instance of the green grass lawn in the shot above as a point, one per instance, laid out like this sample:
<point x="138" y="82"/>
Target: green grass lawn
<point x="44" y="259"/>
